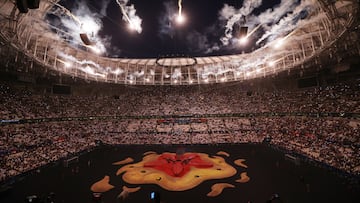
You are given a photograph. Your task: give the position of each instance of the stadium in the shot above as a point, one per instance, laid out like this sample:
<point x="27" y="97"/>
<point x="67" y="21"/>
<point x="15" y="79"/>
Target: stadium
<point x="102" y="104"/>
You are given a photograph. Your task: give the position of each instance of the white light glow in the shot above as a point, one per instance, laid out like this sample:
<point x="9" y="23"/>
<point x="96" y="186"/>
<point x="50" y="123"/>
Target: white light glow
<point x="67" y="64"/>
<point x="94" y="49"/>
<point x="135" y="25"/>
<point x="279" y="43"/>
<point x="131" y="27"/>
<point x="180" y="19"/>
<point x="243" y="40"/>
<point x="89" y="26"/>
<point x="271" y="63"/>
<point x="118" y="71"/>
<point x="89" y="70"/>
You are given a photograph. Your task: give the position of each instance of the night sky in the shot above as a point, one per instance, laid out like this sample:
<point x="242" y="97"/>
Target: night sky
<point x="160" y="36"/>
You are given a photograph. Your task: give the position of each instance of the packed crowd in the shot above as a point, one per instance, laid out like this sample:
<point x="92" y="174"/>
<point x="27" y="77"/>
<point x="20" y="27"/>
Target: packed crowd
<point x="332" y="140"/>
<point x="20" y="104"/>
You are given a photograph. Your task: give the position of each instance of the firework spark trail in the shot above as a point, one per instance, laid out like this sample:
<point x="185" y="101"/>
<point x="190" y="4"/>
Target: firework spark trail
<point x="68" y="13"/>
<point x="129" y="15"/>
<point x="180" y="7"/>
<point x="123" y="11"/>
<point x="254" y="30"/>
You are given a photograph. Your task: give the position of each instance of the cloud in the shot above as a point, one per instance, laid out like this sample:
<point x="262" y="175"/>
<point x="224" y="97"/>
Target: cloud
<point x="104" y="6"/>
<point x="273" y="15"/>
<point x="249" y="6"/>
<point x="231" y="16"/>
<point x="276" y="21"/>
<point x="166" y="19"/>
<point x="198" y="42"/>
<point x="283" y="25"/>
<point x="270" y="24"/>
<point x="80" y="20"/>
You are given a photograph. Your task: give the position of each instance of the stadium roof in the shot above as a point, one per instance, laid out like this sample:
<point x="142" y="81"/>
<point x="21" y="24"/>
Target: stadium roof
<point x="330" y="27"/>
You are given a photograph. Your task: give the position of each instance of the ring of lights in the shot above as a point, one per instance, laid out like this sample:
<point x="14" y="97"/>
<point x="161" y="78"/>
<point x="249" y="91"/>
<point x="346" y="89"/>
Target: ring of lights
<point x="184" y="61"/>
<point x="30" y="35"/>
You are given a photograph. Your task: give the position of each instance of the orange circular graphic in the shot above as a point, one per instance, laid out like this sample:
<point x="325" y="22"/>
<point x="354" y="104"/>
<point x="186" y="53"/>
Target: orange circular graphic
<point x="180" y="171"/>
